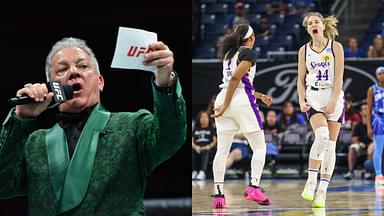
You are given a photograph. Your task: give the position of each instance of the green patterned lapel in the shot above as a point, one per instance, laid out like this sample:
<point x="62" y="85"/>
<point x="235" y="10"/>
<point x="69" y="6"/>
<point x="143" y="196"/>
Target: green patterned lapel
<point x="58" y="157"/>
<point x="70" y="178"/>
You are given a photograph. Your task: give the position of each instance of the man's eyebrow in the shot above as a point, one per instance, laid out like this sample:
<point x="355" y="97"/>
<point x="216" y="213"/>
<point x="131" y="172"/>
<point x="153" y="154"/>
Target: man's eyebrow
<point x="64" y="62"/>
<point x="80" y="59"/>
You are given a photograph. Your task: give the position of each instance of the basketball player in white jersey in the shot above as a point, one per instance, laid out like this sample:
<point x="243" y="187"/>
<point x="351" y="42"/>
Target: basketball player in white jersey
<point x="319" y="86"/>
<point x="236" y="109"/>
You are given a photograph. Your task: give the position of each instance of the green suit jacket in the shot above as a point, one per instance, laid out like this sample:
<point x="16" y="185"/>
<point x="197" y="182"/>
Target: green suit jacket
<point x="107" y="175"/>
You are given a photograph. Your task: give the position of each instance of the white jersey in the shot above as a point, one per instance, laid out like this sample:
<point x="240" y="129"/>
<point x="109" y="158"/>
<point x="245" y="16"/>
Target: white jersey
<point x="229" y="68"/>
<point x="320" y="66"/>
<point x="242" y="113"/>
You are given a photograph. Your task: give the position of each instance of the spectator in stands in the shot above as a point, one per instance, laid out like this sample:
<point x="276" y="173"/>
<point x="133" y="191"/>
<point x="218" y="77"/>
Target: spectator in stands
<point x="276" y="6"/>
<point x="271" y="131"/>
<point x="300" y="7"/>
<point x="264" y="28"/>
<point x="203" y="140"/>
<point x="240" y="17"/>
<point x="352" y="117"/>
<point x="289" y="116"/>
<point x="377" y="50"/>
<point x="360" y="142"/>
<point x="353" y="50"/>
<point x="239" y="150"/>
<point x="271" y="125"/>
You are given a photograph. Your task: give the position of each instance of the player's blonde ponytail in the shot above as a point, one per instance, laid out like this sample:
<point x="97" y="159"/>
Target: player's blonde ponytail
<point x="330" y="27"/>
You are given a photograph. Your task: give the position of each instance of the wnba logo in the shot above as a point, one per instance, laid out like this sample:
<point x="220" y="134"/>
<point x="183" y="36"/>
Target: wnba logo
<point x="136" y="51"/>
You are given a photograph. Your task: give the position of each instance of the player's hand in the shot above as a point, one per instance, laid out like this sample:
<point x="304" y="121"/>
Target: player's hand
<point x="161" y="57"/>
<point x="219" y="111"/>
<point x="267" y="100"/>
<point x="330" y="108"/>
<point x="304" y="106"/>
<point x="37" y="91"/>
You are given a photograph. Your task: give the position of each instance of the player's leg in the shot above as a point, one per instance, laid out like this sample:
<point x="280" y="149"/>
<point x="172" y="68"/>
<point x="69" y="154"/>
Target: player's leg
<point x="377" y="159"/>
<point x="319" y="124"/>
<point x="328" y="164"/>
<point x="224" y="141"/>
<point x="256" y="141"/>
<point x="248" y="118"/>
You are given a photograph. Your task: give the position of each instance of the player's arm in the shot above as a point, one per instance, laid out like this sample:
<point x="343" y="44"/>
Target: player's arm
<point x="369" y="113"/>
<point x="264" y="98"/>
<point x="301" y="69"/>
<point x="338" y="79"/>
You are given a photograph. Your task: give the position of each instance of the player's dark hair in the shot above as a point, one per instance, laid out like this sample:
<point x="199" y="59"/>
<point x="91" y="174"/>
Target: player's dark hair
<point x="230" y="43"/>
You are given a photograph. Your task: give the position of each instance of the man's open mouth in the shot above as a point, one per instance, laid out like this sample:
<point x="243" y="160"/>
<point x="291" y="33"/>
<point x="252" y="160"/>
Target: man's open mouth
<point x="76" y="87"/>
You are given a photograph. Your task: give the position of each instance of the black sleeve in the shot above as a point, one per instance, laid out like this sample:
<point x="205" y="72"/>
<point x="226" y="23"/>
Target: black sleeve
<point x="247" y="54"/>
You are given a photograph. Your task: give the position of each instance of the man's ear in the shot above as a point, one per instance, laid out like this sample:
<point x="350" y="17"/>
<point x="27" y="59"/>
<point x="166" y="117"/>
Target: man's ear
<point x="101" y="82"/>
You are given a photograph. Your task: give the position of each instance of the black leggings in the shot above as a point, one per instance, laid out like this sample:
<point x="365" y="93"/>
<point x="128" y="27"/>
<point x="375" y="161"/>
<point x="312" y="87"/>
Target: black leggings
<point x="200" y="161"/>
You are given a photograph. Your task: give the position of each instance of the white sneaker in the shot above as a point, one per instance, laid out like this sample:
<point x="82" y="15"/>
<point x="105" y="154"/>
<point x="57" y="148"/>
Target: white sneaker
<point x="201" y="175"/>
<point x="319" y="201"/>
<point x="194" y="174"/>
<point x="309" y="191"/>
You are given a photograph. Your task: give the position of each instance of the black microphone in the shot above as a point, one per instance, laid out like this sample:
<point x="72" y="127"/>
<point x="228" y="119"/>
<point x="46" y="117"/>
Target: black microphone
<point x="61" y="93"/>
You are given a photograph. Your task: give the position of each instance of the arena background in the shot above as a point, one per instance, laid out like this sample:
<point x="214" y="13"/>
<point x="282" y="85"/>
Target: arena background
<point x="27" y="32"/>
<point x="278" y="79"/>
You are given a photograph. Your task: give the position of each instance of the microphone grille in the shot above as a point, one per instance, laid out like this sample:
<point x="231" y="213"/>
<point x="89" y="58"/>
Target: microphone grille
<point x="68" y="91"/>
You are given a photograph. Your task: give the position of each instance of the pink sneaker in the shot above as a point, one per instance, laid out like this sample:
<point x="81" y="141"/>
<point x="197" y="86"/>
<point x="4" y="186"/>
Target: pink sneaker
<point x="219" y="202"/>
<point x="257" y="194"/>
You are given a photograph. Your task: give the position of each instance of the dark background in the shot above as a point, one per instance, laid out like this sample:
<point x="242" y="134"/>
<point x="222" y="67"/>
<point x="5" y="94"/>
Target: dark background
<point x="27" y="33"/>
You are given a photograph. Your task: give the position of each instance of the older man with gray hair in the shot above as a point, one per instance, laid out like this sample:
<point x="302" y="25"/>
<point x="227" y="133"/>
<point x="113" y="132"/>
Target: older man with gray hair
<point x="91" y="162"/>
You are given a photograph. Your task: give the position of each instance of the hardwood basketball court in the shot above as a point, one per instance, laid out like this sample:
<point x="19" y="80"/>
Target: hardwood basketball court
<point x="355" y="197"/>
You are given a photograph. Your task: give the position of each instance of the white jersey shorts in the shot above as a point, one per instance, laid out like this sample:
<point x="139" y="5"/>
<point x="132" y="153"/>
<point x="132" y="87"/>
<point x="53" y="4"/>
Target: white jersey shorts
<point x="242" y="113"/>
<point x="318" y="99"/>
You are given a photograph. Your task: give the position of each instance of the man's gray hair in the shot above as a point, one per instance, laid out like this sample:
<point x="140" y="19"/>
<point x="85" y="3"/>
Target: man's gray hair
<point x="67" y="43"/>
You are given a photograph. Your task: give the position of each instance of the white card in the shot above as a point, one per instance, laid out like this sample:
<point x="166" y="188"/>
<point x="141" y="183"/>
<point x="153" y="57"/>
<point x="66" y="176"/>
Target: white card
<point x="130" y="48"/>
